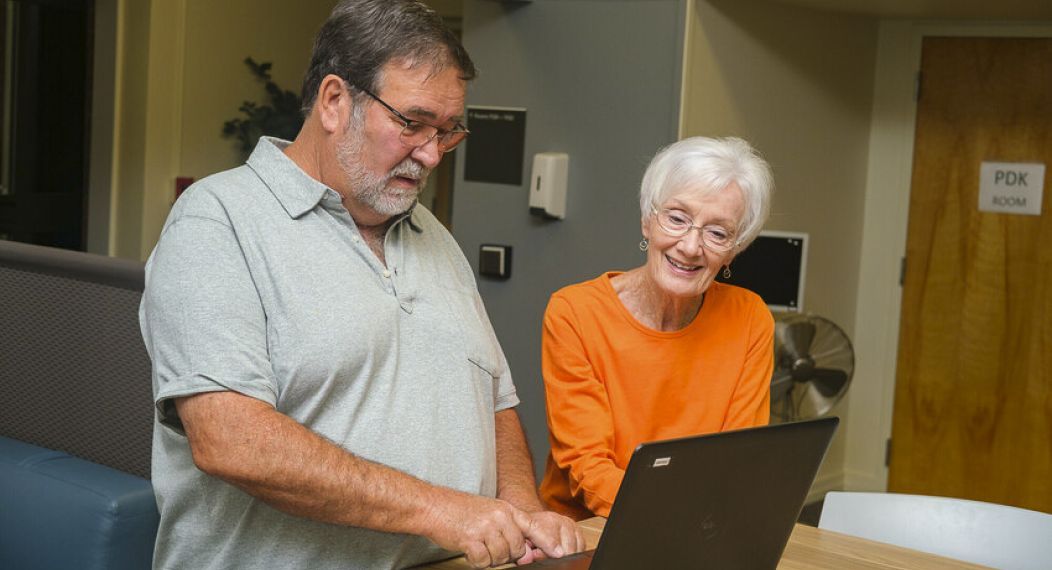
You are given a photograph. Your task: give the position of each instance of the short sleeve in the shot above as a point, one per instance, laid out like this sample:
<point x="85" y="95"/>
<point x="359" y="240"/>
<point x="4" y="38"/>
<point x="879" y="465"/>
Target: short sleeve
<point x="202" y="318"/>
<point x="505" y="395"/>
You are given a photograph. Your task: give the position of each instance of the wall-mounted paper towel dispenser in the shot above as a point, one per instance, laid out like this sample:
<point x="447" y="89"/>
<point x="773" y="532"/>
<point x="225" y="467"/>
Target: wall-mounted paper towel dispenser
<point x="548" y="184"/>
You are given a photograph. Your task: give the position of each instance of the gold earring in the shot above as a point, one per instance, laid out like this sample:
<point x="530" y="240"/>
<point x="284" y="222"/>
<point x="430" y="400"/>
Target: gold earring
<point x="644" y="244"/>
<point x="726" y="271"/>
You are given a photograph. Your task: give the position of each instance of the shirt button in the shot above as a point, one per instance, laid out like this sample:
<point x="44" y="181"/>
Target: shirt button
<point x="354" y="239"/>
<point x="387" y="274"/>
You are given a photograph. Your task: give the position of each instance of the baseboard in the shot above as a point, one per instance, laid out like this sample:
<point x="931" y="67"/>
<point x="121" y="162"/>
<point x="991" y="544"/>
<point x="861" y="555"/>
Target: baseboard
<point x="865" y="481"/>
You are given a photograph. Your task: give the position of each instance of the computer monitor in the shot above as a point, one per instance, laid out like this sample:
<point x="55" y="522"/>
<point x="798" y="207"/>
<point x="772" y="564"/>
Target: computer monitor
<point x="773" y="267"/>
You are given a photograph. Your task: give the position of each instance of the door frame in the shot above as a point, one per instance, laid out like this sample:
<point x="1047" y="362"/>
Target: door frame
<point x="97" y="213"/>
<point x="887" y="196"/>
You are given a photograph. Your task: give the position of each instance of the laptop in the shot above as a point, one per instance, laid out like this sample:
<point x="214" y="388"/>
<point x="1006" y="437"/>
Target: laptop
<point x="724" y="500"/>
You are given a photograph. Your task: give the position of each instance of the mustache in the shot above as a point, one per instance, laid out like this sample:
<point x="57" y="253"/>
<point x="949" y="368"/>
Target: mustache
<point x="410" y="168"/>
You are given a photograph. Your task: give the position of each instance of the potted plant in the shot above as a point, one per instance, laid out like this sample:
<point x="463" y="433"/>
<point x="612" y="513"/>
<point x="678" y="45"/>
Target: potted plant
<point x="279" y="117"/>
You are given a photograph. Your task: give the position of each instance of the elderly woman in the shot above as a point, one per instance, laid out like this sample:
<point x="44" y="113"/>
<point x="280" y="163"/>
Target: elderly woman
<point x="660" y="351"/>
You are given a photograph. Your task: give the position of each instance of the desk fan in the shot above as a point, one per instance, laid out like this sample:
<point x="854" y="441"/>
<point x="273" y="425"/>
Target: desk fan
<point x="813" y="364"/>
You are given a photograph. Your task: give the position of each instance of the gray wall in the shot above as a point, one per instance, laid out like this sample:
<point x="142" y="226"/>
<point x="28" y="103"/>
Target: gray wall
<point x="600" y="80"/>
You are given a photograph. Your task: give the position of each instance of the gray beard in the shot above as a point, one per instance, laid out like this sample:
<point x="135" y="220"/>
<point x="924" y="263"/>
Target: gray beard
<point x="372" y="190"/>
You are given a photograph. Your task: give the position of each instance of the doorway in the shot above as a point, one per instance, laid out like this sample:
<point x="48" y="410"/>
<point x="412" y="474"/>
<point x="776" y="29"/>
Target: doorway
<point x="973" y="397"/>
<point x="44" y="131"/>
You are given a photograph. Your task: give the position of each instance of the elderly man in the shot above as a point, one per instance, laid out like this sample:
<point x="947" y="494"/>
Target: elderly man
<point x="329" y="391"/>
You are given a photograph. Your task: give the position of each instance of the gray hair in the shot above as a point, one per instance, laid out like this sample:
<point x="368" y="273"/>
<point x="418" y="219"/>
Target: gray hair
<point x="361" y="36"/>
<point x="707" y="165"/>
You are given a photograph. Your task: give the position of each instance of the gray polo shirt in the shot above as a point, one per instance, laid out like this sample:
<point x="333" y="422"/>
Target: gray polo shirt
<point x="261" y="284"/>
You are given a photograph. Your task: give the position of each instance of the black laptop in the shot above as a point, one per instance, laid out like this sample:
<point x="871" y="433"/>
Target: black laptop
<point x="725" y="500"/>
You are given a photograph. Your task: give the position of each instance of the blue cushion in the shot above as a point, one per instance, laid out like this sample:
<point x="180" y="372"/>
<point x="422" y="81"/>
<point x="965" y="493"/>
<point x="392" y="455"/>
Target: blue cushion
<point x="60" y="511"/>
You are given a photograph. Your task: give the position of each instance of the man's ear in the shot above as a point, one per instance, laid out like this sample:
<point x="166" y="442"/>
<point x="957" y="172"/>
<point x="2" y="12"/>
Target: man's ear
<point x="331" y="91"/>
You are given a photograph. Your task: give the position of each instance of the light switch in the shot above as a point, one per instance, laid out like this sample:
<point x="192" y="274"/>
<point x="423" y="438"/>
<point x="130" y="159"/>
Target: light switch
<point x="495" y="261"/>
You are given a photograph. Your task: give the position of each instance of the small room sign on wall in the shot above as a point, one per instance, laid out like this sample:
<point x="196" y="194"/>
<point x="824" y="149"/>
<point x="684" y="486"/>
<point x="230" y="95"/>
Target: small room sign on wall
<point x="1011" y="187"/>
<point x="494" y="150"/>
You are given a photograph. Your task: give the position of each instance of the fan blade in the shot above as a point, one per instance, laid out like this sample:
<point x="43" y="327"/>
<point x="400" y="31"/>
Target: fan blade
<point x="809" y="402"/>
<point x="829" y="381"/>
<point x="798" y="337"/>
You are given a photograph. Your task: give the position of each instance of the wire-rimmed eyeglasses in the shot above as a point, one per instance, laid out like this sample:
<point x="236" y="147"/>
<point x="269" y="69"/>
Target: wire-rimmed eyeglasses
<point x="676" y="223"/>
<point x="417" y="133"/>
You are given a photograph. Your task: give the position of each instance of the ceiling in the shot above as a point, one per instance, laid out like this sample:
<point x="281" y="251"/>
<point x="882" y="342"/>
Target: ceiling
<point x="1024" y="10"/>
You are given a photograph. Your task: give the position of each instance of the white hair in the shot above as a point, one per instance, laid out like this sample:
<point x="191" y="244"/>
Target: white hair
<point x="706" y="165"/>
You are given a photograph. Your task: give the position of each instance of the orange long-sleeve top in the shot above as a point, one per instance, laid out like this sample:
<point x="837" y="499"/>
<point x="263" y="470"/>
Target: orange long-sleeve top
<point x="612" y="383"/>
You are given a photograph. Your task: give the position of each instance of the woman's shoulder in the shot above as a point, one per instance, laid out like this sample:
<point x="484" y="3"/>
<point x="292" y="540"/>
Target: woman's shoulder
<point x="592" y="297"/>
<point x="597" y="289"/>
<point x="738" y="309"/>
<point x="736" y="299"/>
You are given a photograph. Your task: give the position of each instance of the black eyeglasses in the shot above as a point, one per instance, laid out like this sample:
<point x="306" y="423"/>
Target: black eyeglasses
<point x="416" y="133"/>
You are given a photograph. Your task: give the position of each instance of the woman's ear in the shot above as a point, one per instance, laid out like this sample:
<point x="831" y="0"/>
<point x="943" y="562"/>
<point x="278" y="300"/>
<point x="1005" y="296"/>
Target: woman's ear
<point x="330" y="93"/>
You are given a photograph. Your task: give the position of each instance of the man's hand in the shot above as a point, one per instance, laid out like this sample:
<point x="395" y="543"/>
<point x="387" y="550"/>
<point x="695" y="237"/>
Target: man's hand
<point x="488" y="531"/>
<point x="549" y="535"/>
<point x="491" y="531"/>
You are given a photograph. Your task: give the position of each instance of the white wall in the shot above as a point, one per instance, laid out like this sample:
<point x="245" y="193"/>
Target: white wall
<point x="129" y="128"/>
<point x="798" y="84"/>
<point x="180" y="75"/>
<point x="219" y="36"/>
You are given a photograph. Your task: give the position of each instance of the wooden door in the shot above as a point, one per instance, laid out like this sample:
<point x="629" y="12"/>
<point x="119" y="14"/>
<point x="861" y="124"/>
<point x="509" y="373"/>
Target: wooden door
<point x="973" y="396"/>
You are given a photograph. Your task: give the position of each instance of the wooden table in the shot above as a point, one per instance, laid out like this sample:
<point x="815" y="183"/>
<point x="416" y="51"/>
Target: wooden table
<point x="809" y="548"/>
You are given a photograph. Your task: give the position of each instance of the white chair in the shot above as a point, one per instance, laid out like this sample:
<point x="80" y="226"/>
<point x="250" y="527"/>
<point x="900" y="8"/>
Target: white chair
<point x="981" y="533"/>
